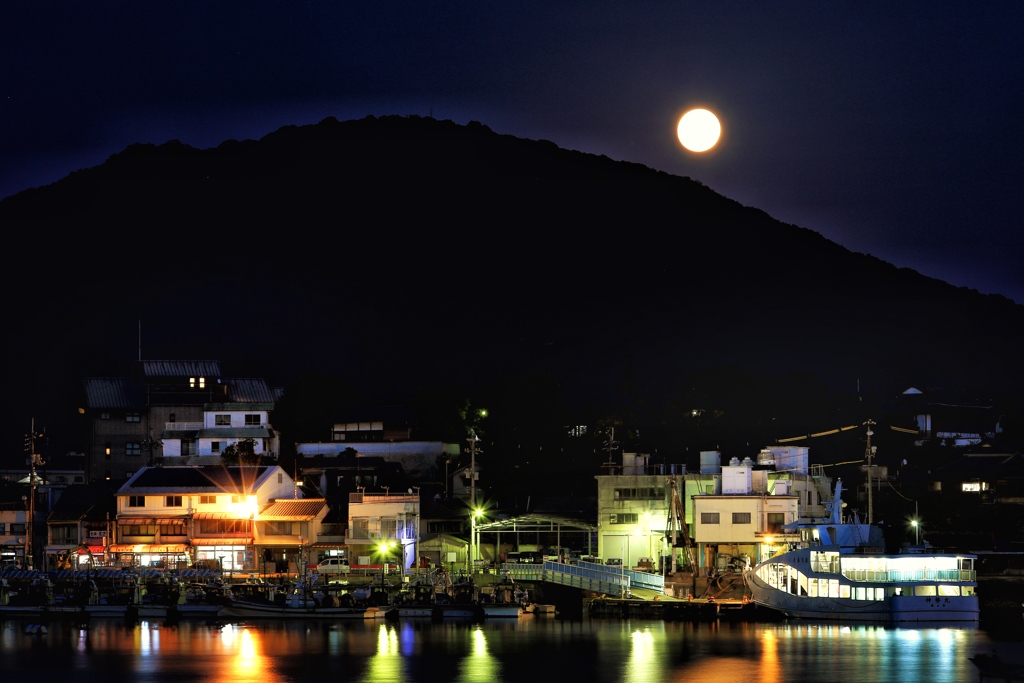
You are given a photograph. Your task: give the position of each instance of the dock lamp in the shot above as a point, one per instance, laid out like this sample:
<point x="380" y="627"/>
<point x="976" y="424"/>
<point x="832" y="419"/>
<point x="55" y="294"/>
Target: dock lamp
<point x="474" y="549"/>
<point x="385" y="549"/>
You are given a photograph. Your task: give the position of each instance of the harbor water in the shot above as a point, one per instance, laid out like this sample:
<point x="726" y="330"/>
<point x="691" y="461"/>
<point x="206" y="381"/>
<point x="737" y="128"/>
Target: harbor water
<point x="529" y="648"/>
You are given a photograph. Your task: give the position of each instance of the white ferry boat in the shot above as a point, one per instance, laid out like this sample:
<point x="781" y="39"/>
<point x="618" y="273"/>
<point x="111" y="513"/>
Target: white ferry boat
<point x="838" y="571"/>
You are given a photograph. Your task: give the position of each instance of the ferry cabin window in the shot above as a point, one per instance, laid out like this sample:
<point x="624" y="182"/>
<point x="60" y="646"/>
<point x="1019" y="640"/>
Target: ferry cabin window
<point x="926" y="591"/>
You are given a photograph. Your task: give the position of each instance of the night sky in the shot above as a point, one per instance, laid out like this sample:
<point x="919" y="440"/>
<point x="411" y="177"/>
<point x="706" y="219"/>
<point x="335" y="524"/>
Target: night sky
<point x="893" y="129"/>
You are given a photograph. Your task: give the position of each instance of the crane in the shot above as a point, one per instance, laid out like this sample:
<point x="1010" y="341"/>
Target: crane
<point x="677" y="522"/>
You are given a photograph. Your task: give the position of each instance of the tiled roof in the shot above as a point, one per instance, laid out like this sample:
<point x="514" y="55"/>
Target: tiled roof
<point x="284" y="509"/>
<point x="181" y="368"/>
<point x="250" y="390"/>
<point x="115" y="393"/>
<point x="196" y="480"/>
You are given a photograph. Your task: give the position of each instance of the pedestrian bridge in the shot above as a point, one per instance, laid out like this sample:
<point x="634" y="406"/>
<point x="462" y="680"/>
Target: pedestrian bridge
<point x="599" y="578"/>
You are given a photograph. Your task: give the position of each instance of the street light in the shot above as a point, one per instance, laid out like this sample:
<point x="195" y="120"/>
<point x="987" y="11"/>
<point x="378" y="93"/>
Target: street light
<point x="473" y="545"/>
<point x="917" y="537"/>
<point x="385" y="552"/>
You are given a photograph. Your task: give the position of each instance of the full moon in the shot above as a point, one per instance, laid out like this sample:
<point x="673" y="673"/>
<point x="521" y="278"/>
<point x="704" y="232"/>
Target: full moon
<point x="699" y="130"/>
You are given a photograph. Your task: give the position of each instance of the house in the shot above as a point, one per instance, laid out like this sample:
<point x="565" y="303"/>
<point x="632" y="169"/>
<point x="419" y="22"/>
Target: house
<point x="80" y="526"/>
<point x="13" y="527"/>
<point x="945" y="418"/>
<point x="383" y="528"/>
<point x="179" y="516"/>
<point x="167" y="403"/>
<point x="223" y="425"/>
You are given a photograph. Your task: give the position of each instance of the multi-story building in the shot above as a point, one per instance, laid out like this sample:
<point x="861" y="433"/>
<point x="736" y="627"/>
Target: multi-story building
<point x="13" y="527"/>
<point x="166" y="404"/>
<point x="383" y="527"/>
<point x="638" y="522"/>
<point x="214" y="515"/>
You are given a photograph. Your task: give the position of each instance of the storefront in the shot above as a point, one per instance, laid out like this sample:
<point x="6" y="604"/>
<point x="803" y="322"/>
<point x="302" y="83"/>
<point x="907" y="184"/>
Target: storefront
<point x="149" y="555"/>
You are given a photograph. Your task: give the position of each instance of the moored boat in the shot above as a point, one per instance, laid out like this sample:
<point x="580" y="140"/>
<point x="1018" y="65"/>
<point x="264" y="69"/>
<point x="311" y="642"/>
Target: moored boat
<point x="838" y="571"/>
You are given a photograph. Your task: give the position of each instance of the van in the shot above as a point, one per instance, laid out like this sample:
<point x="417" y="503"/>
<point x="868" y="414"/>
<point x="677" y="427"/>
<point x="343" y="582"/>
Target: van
<point x="333" y="565"/>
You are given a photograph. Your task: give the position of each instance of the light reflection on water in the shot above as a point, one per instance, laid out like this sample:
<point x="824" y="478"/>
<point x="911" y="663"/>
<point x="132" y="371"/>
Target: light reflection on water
<point x="507" y="651"/>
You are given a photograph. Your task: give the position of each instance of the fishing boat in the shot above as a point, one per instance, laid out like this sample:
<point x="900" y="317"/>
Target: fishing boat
<point x="505" y="599"/>
<point x="438" y="598"/>
<point x="838" y="571"/>
<point x="310" y="599"/>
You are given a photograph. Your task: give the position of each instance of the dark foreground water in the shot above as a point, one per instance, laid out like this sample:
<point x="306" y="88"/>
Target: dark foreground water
<point x="528" y="649"/>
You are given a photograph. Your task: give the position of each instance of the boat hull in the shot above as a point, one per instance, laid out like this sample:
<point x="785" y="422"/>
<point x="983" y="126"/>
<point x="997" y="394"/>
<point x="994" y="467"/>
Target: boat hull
<point x="891" y="609"/>
<point x="242" y="611"/>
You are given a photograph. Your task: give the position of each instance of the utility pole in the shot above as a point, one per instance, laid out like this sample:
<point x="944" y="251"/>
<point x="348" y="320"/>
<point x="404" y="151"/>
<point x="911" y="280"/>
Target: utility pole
<point x="33" y="459"/>
<point x="473" y="450"/>
<point x="869" y="452"/>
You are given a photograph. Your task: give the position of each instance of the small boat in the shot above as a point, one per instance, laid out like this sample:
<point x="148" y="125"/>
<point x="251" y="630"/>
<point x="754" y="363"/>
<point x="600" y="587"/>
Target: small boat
<point x="505" y="599"/>
<point x="991" y="666"/>
<point x="838" y="571"/>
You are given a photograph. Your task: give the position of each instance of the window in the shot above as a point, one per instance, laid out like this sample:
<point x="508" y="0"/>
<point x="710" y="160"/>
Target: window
<point x="774" y="522"/>
<point x="223" y="527"/>
<point x="171" y="418"/>
<point x="741" y="518"/>
<point x="253" y="421"/>
<point x="173" y="530"/>
<point x="709" y="518"/>
<point x="172" y="501"/>
<point x="136" y="501"/>
<point x="215" y="446"/>
<point x="222" y="420"/>
<point x="17" y="528"/>
<point x="207" y="500"/>
<point x="278" y="528"/>
<point x="640" y="494"/>
<point x="132" y="417"/>
<point x="133" y="448"/>
<point x="197" y="382"/>
<point x="623" y="518"/>
<point x="3" y="528"/>
<point x="138" y="529"/>
<point x="104" y="415"/>
<point x="106" y="452"/>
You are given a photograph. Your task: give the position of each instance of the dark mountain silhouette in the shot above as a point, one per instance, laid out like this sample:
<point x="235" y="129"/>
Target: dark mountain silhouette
<point x="409" y="253"/>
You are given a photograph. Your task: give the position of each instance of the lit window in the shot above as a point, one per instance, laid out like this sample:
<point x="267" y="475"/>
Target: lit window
<point x="202" y="382"/>
<point x="192" y="382"/>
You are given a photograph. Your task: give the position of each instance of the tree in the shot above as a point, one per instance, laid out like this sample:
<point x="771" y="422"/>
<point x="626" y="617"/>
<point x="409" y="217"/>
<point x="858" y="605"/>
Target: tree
<point x="241" y="453"/>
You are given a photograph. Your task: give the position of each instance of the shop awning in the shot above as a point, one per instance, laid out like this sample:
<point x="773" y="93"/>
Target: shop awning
<point x="152" y="520"/>
<point x="175" y="548"/>
<point x="199" y="542"/>
<point x="219" y="515"/>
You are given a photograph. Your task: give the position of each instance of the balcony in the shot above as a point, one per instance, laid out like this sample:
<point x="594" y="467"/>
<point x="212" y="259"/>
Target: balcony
<point x="183" y="426"/>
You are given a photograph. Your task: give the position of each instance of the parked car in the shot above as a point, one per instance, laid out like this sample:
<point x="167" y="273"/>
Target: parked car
<point x="333" y="565"/>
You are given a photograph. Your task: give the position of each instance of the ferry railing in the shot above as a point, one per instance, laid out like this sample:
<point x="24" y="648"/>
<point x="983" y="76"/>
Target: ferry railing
<point x="897" y="576"/>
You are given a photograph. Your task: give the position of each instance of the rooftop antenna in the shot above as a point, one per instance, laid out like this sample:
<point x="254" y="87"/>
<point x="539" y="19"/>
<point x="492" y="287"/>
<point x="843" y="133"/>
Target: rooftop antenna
<point x="610" y="445"/>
